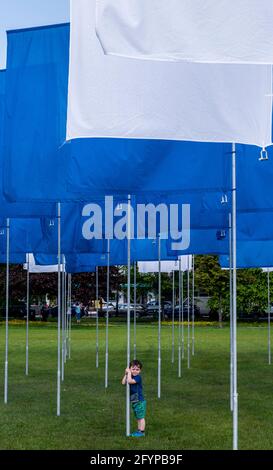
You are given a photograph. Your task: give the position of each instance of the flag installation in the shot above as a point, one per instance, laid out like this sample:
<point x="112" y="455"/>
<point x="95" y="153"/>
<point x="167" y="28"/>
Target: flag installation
<point x="145" y="107"/>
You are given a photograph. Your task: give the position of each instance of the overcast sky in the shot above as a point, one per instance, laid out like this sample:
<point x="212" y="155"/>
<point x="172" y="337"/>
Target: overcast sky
<point x="25" y="13"/>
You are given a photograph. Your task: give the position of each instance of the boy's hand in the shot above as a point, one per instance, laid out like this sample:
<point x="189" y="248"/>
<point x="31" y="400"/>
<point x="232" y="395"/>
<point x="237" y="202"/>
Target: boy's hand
<point x="127" y="370"/>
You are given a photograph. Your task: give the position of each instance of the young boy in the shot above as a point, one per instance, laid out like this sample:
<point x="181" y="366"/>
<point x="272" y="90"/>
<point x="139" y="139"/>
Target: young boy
<point x="133" y="378"/>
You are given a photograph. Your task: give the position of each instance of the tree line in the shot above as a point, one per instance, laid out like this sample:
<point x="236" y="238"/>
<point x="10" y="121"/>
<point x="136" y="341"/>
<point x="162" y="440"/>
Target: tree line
<point x="210" y="280"/>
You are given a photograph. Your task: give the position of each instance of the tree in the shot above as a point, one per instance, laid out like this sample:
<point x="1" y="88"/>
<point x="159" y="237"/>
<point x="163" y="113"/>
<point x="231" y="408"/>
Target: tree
<point x="214" y="282"/>
<point x="84" y="284"/>
<point x="40" y="284"/>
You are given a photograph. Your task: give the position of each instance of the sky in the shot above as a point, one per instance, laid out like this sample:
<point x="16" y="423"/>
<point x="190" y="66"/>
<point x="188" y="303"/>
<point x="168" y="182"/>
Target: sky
<point x="16" y="14"/>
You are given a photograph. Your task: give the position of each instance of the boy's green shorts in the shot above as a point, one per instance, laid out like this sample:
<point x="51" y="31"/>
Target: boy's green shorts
<point x="139" y="409"/>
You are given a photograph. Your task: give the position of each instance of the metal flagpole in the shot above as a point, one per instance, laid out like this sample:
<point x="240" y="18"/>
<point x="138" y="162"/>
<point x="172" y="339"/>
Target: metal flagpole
<point x="107" y="314"/>
<point x="70" y="314"/>
<point x="128" y="314"/>
<point x="179" y="320"/>
<point x="269" y="322"/>
<point x="62" y="302"/>
<point x="193" y="338"/>
<point x="173" y="319"/>
<point x="27" y="323"/>
<point x="59" y="315"/>
<point x="234" y="309"/>
<point x="7" y="315"/>
<point x="182" y="303"/>
<point x="230" y="315"/>
<point x="97" y="317"/>
<point x="65" y="317"/>
<point x="188" y="289"/>
<point x="159" y="318"/>
<point x="135" y="276"/>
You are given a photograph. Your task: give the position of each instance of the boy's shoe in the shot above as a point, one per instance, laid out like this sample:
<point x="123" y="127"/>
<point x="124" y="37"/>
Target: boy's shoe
<point x="137" y="434"/>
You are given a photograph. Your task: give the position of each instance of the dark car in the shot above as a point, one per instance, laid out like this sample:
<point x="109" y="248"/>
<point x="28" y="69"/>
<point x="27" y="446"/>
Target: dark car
<point x="185" y="311"/>
<point x="123" y="308"/>
<point x="18" y="310"/>
<point x="102" y="312"/>
<point x="152" y="308"/>
<point x="253" y="316"/>
<point x="168" y="312"/>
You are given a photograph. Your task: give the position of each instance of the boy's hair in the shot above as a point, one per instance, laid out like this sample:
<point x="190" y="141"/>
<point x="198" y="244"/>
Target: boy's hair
<point x="135" y="362"/>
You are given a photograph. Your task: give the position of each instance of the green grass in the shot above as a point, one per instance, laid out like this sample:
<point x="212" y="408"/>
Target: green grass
<point x="193" y="412"/>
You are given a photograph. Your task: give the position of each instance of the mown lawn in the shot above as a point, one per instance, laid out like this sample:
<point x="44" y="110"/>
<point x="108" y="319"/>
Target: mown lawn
<point x="193" y="412"/>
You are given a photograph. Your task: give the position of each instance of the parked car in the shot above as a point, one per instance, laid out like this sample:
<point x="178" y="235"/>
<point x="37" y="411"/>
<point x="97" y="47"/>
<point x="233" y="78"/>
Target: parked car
<point x="18" y="310"/>
<point x="168" y="311"/>
<point x="90" y="311"/>
<point x="103" y="311"/>
<point x="254" y="316"/>
<point x="152" y="308"/>
<point x="185" y="311"/>
<point x="123" y="308"/>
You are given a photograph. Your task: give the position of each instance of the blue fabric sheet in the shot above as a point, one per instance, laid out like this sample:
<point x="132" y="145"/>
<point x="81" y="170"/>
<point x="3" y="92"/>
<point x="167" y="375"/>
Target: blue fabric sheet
<point x="13" y="259"/>
<point x="25" y="236"/>
<point x="253" y="254"/>
<point x="18" y="209"/>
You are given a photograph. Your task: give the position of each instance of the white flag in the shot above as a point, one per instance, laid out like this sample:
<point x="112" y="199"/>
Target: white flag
<point x="127" y="98"/>
<point x="38" y="269"/>
<point x="166" y="266"/>
<point x="214" y="31"/>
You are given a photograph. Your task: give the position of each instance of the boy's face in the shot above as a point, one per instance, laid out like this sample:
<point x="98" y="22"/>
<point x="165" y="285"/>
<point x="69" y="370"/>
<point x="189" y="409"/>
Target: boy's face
<point x="135" y="370"/>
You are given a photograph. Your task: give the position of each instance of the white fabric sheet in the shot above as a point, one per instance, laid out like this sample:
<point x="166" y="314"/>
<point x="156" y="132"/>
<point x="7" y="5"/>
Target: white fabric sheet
<point x="214" y="31"/>
<point x="166" y="266"/>
<point x="126" y="98"/>
<point x="37" y="269"/>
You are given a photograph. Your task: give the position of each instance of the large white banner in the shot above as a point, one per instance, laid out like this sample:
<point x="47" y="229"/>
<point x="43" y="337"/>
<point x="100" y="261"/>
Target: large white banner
<point x="214" y="31"/>
<point x="145" y="267"/>
<point x="38" y="269"/>
<point x="127" y="98"/>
